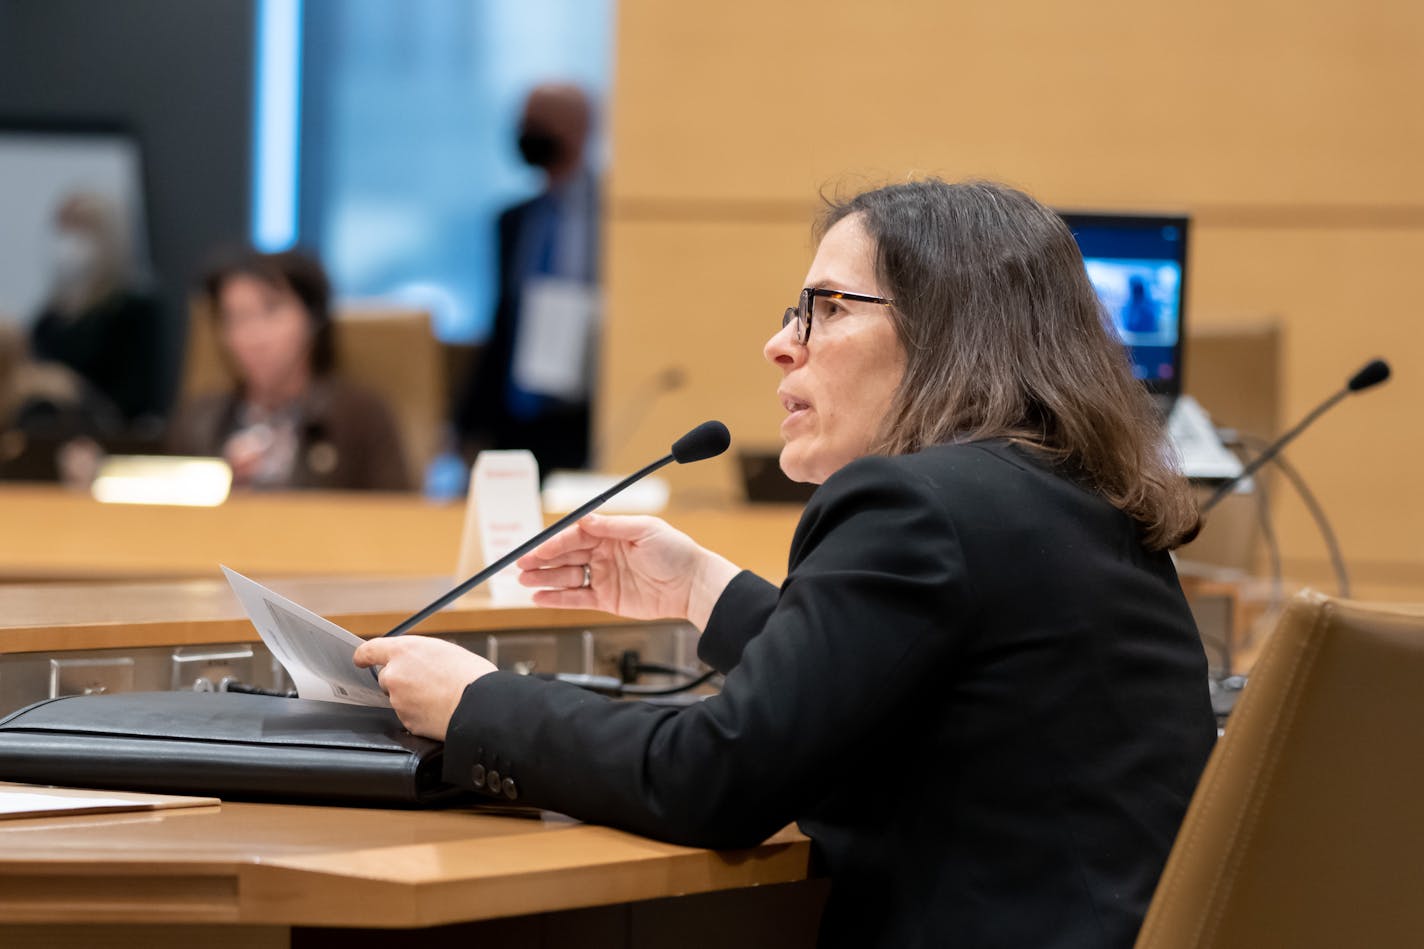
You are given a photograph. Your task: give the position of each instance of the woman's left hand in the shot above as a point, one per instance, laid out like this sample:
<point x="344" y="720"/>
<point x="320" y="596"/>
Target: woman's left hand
<point x="424" y="677"/>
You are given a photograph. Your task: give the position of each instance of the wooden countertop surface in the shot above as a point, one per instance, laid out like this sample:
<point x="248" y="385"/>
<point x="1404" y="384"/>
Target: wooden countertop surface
<point x="56" y="617"/>
<point x="291" y="865"/>
<point x="320" y="866"/>
<point x="49" y="533"/>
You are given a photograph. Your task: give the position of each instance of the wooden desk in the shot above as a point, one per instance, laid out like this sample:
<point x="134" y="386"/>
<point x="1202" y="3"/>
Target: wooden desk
<point x="162" y="635"/>
<point x="268" y="868"/>
<point x="264" y="872"/>
<point x="48" y="533"/>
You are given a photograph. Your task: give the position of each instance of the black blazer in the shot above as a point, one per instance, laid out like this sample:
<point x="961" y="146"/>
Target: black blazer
<point x="115" y="345"/>
<point x="559" y="436"/>
<point x="976" y="691"/>
<point x="348" y="439"/>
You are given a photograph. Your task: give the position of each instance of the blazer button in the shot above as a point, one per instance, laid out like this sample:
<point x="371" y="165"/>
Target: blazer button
<point x="477" y="775"/>
<point x="492" y="782"/>
<point x="510" y="791"/>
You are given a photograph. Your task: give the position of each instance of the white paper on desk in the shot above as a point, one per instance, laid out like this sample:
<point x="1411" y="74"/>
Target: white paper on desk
<point x="553" y="345"/>
<point x="20" y="803"/>
<point x="315" y="652"/>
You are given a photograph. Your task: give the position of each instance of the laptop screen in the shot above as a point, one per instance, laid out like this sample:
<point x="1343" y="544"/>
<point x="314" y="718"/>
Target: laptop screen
<point x="1137" y="263"/>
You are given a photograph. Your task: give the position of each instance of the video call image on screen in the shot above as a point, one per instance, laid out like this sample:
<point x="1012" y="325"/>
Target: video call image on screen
<point x="1137" y="265"/>
<point x="1141" y="297"/>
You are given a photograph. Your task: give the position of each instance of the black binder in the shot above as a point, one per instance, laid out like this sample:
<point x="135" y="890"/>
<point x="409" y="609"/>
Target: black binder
<point x="227" y="745"/>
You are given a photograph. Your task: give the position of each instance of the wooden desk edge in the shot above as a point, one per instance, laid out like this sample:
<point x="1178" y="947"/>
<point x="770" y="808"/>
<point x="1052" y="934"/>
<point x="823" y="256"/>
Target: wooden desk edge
<point x="129" y="635"/>
<point x="311" y="897"/>
<point x="284" y="892"/>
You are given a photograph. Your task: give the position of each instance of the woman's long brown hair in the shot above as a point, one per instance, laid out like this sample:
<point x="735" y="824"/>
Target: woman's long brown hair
<point x="1004" y="337"/>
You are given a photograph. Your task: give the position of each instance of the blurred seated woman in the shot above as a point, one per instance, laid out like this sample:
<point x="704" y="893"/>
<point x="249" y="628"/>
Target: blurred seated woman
<point x="289" y="420"/>
<point x="98" y="321"/>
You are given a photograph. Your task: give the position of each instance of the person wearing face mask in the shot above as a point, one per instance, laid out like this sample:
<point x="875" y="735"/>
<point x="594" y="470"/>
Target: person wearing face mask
<point x="532" y="384"/>
<point x="979" y="691"/>
<point x="96" y="321"/>
<point x="289" y="420"/>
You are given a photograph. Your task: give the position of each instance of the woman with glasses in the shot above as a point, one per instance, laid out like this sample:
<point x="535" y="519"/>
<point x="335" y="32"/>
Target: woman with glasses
<point x="979" y="690"/>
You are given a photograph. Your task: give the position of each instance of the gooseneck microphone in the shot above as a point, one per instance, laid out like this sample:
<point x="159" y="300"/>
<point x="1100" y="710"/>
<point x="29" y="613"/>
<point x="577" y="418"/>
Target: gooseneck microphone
<point x="705" y="441"/>
<point x="1370" y="374"/>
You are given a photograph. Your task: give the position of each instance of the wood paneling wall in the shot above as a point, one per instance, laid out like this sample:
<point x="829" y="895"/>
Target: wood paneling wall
<point x="1292" y="132"/>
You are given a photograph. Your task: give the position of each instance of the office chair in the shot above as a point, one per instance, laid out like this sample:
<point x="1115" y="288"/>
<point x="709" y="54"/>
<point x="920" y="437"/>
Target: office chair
<point x="1307" y="829"/>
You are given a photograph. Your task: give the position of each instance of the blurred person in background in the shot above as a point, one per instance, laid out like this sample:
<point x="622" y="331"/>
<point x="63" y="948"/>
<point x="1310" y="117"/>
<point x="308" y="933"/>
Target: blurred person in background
<point x="289" y="421"/>
<point x="532" y="385"/>
<point x="97" y="320"/>
<point x="12" y="364"/>
<point x="11" y="355"/>
<point x="50" y="418"/>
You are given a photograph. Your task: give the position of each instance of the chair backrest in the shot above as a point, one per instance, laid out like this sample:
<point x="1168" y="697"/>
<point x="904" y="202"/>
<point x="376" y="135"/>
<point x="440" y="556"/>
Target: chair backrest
<point x="394" y="353"/>
<point x="386" y="349"/>
<point x="1307" y="829"/>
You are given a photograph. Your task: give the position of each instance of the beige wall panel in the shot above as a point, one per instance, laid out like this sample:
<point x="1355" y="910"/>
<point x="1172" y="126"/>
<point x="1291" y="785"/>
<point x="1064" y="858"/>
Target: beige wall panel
<point x="704" y="297"/>
<point x="1113" y="103"/>
<point x="1343" y="296"/>
<point x="1291" y="132"/>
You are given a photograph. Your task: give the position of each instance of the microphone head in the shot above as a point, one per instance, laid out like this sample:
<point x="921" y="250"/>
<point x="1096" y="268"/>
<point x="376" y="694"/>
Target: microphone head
<point x="707" y="440"/>
<point x="1371" y="373"/>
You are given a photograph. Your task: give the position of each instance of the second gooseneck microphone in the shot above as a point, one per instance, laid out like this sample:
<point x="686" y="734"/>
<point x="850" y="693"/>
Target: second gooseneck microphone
<point x="705" y="441"/>
<point x="1370" y="374"/>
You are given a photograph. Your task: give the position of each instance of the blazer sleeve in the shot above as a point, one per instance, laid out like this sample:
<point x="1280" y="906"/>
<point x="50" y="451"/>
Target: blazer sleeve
<point x="871" y="612"/>
<point x="385" y="466"/>
<point x="739" y="614"/>
<point x="201" y="426"/>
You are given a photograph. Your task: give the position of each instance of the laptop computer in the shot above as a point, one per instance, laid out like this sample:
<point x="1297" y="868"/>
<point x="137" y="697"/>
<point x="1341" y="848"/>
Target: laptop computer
<point x="1138" y="265"/>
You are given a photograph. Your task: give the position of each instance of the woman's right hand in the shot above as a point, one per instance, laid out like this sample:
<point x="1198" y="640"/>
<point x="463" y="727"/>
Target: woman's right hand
<point x="639" y="567"/>
<point x="244" y="451"/>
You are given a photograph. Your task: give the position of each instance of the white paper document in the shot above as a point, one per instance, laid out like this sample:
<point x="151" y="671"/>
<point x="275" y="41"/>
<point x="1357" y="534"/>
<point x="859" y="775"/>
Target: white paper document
<point x="22" y="801"/>
<point x="315" y="652"/>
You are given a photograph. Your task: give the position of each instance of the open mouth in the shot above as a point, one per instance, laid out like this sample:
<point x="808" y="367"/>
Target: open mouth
<point x="793" y="404"/>
<point x="796" y="410"/>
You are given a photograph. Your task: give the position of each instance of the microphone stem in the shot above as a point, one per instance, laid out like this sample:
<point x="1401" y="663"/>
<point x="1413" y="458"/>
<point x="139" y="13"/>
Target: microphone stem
<point x="524" y="548"/>
<point x="1273" y="451"/>
<point x="1312" y="504"/>
<point x="638" y="406"/>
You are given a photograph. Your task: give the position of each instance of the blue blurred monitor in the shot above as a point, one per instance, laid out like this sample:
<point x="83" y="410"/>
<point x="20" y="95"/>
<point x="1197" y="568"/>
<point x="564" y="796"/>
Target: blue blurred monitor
<point x="1138" y="264"/>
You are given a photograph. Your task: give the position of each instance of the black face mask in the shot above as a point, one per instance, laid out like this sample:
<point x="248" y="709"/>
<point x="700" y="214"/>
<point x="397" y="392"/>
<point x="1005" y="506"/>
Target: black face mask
<point x="540" y="149"/>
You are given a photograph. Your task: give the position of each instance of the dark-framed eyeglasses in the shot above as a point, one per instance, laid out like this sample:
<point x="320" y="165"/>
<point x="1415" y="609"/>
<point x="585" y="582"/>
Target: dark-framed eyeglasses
<point x="819" y="303"/>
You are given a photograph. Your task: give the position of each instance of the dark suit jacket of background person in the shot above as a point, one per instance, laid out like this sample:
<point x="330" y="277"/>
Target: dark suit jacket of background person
<point x="976" y="691"/>
<point x="560" y="437"/>
<point x="116" y="346"/>
<point x="348" y="439"/>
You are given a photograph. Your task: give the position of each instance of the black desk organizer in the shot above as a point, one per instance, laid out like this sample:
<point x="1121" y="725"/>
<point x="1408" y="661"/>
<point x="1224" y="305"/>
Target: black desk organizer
<point x="227" y="745"/>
